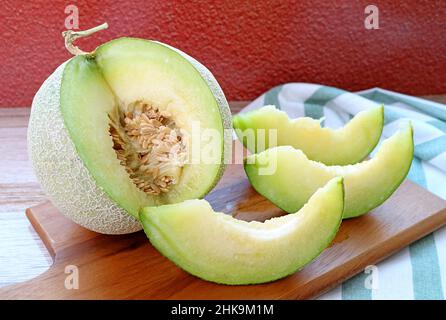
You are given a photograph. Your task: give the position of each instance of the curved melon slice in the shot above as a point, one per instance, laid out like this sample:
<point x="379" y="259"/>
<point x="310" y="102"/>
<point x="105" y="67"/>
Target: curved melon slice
<point x="287" y="178"/>
<point x="347" y="145"/>
<point x="216" y="247"/>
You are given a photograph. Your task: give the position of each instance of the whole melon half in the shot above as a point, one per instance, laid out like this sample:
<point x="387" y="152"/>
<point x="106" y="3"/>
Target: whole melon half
<point x="110" y="132"/>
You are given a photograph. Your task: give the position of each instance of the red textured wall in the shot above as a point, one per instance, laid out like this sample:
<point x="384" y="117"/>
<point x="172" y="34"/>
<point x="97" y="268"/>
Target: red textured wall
<point x="249" y="45"/>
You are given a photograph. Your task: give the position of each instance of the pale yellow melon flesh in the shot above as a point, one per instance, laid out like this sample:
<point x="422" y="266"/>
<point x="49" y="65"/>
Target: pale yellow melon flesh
<point x="216" y="247"/>
<point x="288" y="178"/>
<point x="347" y="145"/>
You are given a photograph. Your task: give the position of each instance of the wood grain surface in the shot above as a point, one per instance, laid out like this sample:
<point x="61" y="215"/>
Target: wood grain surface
<point x="128" y="267"/>
<point x="22" y="254"/>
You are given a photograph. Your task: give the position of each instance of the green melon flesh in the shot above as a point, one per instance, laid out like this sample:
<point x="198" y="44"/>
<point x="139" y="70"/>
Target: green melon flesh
<point x="124" y="71"/>
<point x="347" y="145"/>
<point x="216" y="247"/>
<point x="287" y="178"/>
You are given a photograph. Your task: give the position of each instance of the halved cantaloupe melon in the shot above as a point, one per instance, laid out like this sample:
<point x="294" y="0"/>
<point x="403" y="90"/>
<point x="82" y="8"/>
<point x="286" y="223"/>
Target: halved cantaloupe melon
<point x="110" y="132"/>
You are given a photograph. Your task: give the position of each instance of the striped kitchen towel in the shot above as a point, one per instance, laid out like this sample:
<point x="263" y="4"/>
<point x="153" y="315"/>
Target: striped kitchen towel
<point x="416" y="272"/>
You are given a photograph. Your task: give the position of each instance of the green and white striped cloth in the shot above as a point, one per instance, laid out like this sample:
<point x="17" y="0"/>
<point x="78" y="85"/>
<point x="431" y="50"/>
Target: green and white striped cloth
<point x="416" y="272"/>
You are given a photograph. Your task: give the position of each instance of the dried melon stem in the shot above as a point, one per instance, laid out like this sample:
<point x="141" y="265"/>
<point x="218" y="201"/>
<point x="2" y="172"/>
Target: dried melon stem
<point x="149" y="146"/>
<point x="70" y="36"/>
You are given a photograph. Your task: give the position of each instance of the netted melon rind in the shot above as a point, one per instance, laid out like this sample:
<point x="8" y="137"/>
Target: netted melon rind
<point x="61" y="172"/>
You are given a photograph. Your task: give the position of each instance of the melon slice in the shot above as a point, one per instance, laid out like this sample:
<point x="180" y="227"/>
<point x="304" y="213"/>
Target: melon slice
<point x="287" y="178"/>
<point x="216" y="247"/>
<point x="347" y="145"/>
<point x="111" y="132"/>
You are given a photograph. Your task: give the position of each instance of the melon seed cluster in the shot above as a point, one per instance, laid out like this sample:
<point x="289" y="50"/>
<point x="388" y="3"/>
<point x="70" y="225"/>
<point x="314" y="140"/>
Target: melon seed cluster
<point x="150" y="147"/>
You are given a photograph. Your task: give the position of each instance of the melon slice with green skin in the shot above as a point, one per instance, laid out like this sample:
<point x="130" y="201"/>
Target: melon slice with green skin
<point x="347" y="145"/>
<point x="219" y="248"/>
<point x="287" y="178"/>
<point x="110" y="132"/>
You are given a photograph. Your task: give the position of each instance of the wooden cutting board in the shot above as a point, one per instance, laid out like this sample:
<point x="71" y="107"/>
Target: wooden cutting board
<point x="128" y="267"/>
